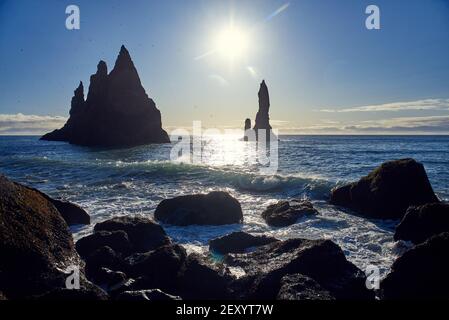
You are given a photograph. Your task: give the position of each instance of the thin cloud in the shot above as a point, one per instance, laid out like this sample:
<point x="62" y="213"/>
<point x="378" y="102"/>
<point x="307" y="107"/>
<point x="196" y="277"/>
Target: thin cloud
<point x="277" y="11"/>
<point x="20" y="124"/>
<point x="424" y="104"/>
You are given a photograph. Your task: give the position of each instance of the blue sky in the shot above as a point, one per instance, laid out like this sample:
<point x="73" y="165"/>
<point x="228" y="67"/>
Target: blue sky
<point x="325" y="71"/>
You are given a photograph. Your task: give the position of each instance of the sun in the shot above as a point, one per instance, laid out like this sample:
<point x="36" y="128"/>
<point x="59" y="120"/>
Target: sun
<point x="232" y="42"/>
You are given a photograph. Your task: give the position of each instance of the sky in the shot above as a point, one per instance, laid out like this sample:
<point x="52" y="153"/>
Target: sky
<point x="204" y="60"/>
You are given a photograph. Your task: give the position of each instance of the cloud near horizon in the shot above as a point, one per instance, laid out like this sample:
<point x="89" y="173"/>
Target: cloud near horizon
<point x="21" y="124"/>
<point x="424" y="104"/>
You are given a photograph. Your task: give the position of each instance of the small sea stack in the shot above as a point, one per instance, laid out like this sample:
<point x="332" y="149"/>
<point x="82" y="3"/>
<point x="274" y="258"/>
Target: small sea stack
<point x="246" y="128"/>
<point x="116" y="113"/>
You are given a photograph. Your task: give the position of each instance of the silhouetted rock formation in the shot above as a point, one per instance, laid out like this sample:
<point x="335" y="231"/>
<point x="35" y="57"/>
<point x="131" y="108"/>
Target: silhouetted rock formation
<point x="420" y="223"/>
<point x="214" y="208"/>
<point x="387" y="191"/>
<point x="262" y="117"/>
<point x="247" y="127"/>
<point x="238" y="242"/>
<point x="421" y="272"/>
<point x="285" y="213"/>
<point x="117" y="111"/>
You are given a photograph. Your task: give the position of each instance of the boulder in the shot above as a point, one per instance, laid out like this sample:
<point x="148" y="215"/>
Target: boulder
<point x="147" y="295"/>
<point x="200" y="279"/>
<point x="285" y="213"/>
<point x="109" y="278"/>
<point x="387" y="191"/>
<point x="143" y="233"/>
<point x="422" y="222"/>
<point x="35" y="242"/>
<point x="238" y="242"/>
<point x="158" y="268"/>
<point x="103" y="257"/>
<point x="116" y="113"/>
<point x="300" y="287"/>
<point x="214" y="208"/>
<point x="72" y="213"/>
<point x="321" y="260"/>
<point x="421" y="272"/>
<point x="116" y="240"/>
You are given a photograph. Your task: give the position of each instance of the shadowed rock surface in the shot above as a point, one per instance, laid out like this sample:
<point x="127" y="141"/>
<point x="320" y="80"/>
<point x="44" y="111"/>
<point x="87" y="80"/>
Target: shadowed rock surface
<point x="321" y="260"/>
<point x="116" y="113"/>
<point x="35" y="244"/>
<point x="116" y="240"/>
<point x="214" y="208"/>
<point x="300" y="287"/>
<point x="143" y="233"/>
<point x="387" y="191"/>
<point x="146" y="295"/>
<point x="285" y="213"/>
<point x="420" y="223"/>
<point x="421" y="272"/>
<point x="238" y="242"/>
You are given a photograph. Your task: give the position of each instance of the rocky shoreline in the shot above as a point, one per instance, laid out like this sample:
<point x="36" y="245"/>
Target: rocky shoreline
<point x="132" y="257"/>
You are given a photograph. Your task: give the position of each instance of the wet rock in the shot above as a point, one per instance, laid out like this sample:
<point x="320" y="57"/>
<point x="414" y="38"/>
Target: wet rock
<point x="321" y="260"/>
<point x="143" y="233"/>
<point x="147" y="295"/>
<point x="300" y="287"/>
<point x="35" y="242"/>
<point x="214" y="208"/>
<point x="238" y="242"/>
<point x="92" y="293"/>
<point x="103" y="257"/>
<point x="421" y="272"/>
<point x="116" y="113"/>
<point x="109" y="278"/>
<point x="387" y="191"/>
<point x="158" y="268"/>
<point x="202" y="280"/>
<point x="116" y="240"/>
<point x="422" y="222"/>
<point x="285" y="213"/>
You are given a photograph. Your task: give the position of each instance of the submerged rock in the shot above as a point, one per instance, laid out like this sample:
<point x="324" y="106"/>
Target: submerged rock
<point x="146" y="295"/>
<point x="300" y="287"/>
<point x="387" y="191"/>
<point x="421" y="272"/>
<point x="285" y="213"/>
<point x="143" y="233"/>
<point x="238" y="242"/>
<point x="422" y="222"/>
<point x="117" y="111"/>
<point x="214" y="208"/>
<point x="321" y="260"/>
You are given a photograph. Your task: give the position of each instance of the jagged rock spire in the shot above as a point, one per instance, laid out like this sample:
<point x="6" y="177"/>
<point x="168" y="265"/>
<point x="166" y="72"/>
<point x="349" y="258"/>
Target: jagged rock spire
<point x="262" y="116"/>
<point x="77" y="102"/>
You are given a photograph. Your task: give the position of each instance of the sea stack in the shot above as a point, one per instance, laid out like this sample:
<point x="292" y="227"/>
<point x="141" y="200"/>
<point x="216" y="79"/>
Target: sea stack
<point x="116" y="113"/>
<point x="247" y="127"/>
<point x="262" y="116"/>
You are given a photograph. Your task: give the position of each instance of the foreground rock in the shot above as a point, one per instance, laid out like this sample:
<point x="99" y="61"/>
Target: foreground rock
<point x="420" y="273"/>
<point x="35" y="243"/>
<point x="321" y="260"/>
<point x="422" y="222"/>
<point x="214" y="208"/>
<point x="238" y="242"/>
<point x="300" y="287"/>
<point x="387" y="191"/>
<point x="117" y="111"/>
<point x="285" y="213"/>
<point x="146" y="295"/>
<point x="143" y="233"/>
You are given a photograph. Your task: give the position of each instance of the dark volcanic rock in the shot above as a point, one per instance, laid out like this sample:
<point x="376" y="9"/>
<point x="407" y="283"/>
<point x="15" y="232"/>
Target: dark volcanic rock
<point x="159" y="268"/>
<point x="214" y="208"/>
<point x="103" y="257"/>
<point x="321" y="260"/>
<point x="285" y="213"/>
<point x="117" y="111"/>
<point x="202" y="280"/>
<point x="34" y="242"/>
<point x="238" y="242"/>
<point x="300" y="287"/>
<point x="146" y="295"/>
<point x="262" y="116"/>
<point x="143" y="233"/>
<point x="92" y="293"/>
<point x="387" y="191"/>
<point x="108" y="278"/>
<point x="116" y="240"/>
<point x="246" y="129"/>
<point x="2" y="297"/>
<point x="420" y="223"/>
<point x="420" y="273"/>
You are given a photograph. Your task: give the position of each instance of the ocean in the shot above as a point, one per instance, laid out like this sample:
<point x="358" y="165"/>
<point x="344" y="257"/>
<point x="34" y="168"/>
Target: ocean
<point x="115" y="182"/>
